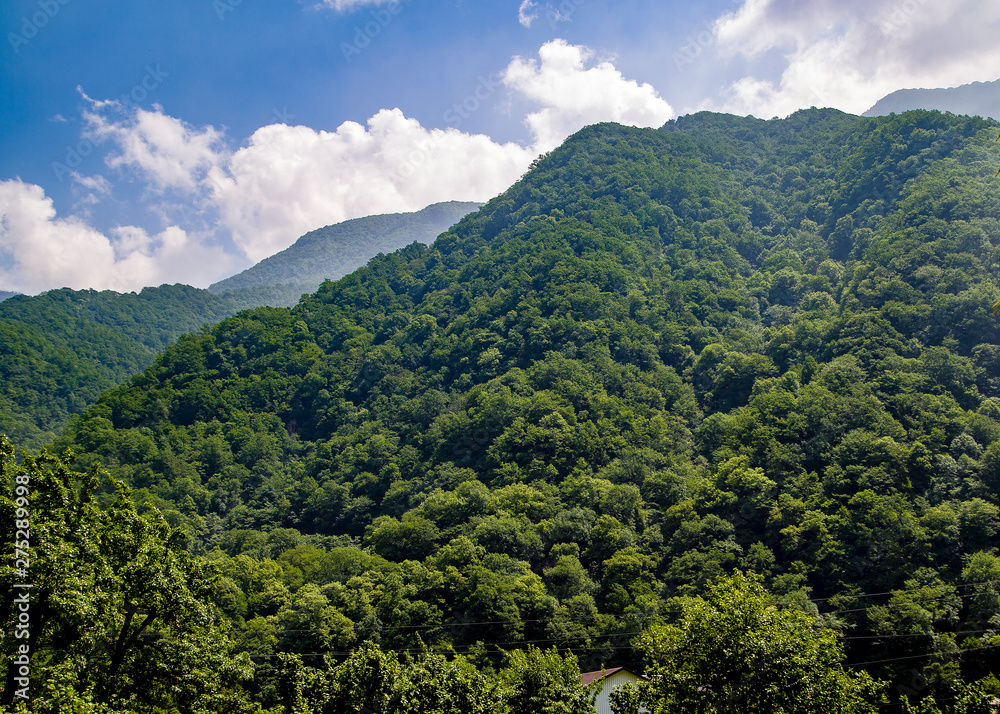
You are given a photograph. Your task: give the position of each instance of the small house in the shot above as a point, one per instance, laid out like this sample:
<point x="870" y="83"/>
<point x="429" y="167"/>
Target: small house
<point x="610" y="680"/>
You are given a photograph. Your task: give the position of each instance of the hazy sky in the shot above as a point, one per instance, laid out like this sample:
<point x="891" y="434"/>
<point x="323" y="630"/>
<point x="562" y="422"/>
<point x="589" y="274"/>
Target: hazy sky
<point x="147" y="142"/>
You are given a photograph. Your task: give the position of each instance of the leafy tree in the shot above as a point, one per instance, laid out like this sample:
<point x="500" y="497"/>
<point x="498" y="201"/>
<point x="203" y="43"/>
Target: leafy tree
<point x="371" y="680"/>
<point x="965" y="699"/>
<point x="120" y="615"/>
<point x="735" y="651"/>
<point x="544" y="682"/>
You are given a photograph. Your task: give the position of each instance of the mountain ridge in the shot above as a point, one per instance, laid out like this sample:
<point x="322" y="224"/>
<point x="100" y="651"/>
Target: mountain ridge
<point x="335" y="250"/>
<point x="974" y="99"/>
<point x="66" y="346"/>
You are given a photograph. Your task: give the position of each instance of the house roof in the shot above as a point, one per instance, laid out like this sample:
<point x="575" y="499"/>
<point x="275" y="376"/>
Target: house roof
<point x="591" y="677"/>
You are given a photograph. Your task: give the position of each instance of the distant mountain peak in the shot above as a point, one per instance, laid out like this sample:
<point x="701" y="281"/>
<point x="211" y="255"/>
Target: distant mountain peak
<point x="334" y="251"/>
<point x="975" y="99"/>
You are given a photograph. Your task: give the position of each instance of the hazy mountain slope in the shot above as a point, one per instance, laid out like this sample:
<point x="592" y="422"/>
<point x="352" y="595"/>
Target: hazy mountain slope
<point x="976" y="99"/>
<point x="660" y="356"/>
<point x="334" y="251"/>
<point x="5" y="294"/>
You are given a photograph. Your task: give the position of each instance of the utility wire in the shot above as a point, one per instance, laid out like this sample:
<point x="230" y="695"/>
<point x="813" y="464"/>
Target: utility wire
<point x="464" y="623"/>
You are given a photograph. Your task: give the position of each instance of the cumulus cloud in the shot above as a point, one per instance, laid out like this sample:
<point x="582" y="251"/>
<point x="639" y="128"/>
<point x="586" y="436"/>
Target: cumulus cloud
<point x="168" y="153"/>
<point x="524" y="13"/>
<point x="290" y="180"/>
<point x="850" y="53"/>
<point x="573" y="96"/>
<point x="45" y="251"/>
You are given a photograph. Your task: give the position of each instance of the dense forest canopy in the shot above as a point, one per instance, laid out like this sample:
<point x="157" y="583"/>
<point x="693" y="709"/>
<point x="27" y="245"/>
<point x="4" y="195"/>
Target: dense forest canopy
<point x="61" y="349"/>
<point x="659" y="358"/>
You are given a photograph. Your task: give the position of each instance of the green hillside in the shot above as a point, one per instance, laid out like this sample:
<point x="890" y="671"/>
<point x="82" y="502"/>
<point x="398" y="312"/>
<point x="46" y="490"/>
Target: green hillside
<point x="660" y="358"/>
<point x="334" y="251"/>
<point x="62" y="348"/>
<point x="65" y="347"/>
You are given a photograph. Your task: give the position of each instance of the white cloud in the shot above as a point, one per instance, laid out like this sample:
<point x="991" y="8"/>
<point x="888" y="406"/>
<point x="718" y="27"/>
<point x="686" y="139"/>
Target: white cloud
<point x="97" y="184"/>
<point x="291" y="180"/>
<point x="524" y="13"/>
<point x="850" y="53"/>
<point x="48" y="252"/>
<point x="573" y="96"/>
<point x="169" y="153"/>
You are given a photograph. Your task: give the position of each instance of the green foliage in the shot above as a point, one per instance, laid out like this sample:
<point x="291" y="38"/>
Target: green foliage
<point x="735" y="651"/>
<point x="371" y="680"/>
<point x="964" y="699"/>
<point x="118" y="614"/>
<point x="62" y="348"/>
<point x="545" y="682"/>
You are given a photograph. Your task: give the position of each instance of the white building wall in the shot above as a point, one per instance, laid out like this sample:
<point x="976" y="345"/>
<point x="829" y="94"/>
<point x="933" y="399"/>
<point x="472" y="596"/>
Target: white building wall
<point x="609" y="684"/>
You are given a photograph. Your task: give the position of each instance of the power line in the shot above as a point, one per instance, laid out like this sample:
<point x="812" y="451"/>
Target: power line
<point x="916" y="634"/>
<point x="471" y="649"/>
<point x="921" y="656"/>
<point x="464" y="623"/>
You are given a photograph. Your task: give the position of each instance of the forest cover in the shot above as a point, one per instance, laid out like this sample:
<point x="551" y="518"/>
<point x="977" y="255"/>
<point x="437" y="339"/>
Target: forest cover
<point x="733" y="372"/>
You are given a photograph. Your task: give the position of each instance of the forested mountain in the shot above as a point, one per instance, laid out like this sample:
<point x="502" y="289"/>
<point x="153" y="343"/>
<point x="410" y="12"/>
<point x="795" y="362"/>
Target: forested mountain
<point x="61" y="349"/>
<point x="334" y="251"/>
<point x="659" y="358"/>
<point x="975" y="99"/>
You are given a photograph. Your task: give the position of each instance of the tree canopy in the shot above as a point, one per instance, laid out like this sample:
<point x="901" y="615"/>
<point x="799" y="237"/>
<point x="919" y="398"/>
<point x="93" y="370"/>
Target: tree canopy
<point x="734" y="650"/>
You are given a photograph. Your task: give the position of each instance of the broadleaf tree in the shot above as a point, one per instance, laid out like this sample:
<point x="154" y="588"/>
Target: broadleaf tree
<point x="120" y="615"/>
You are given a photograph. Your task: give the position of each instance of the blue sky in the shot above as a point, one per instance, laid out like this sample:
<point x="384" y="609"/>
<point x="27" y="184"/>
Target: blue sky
<point x="144" y="142"/>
